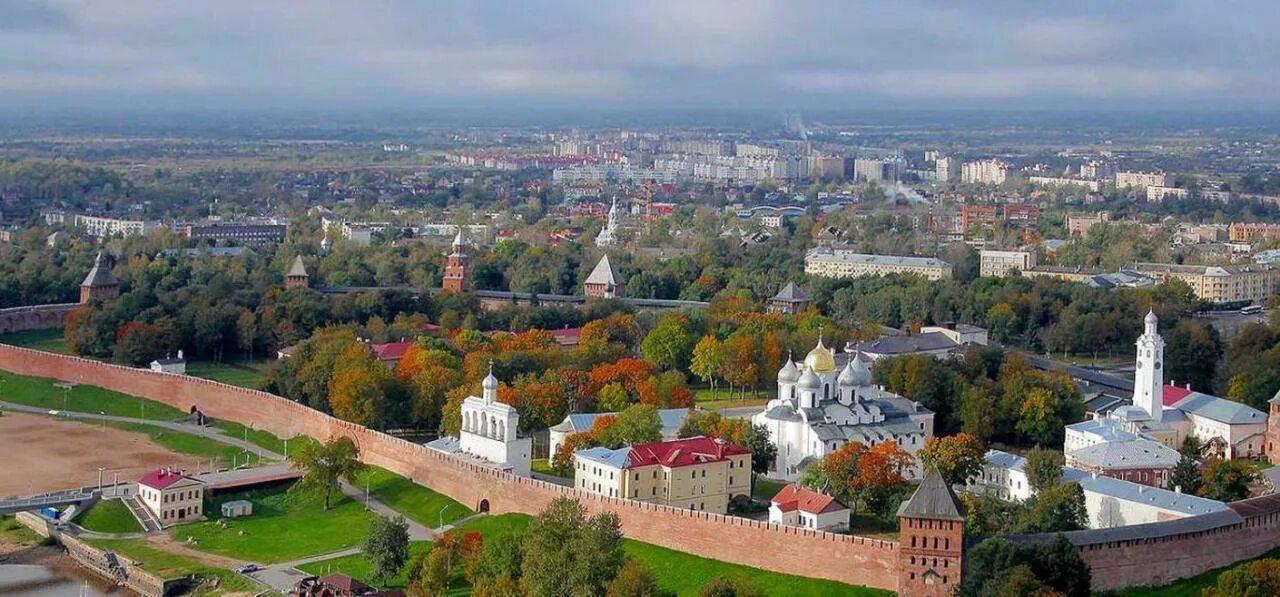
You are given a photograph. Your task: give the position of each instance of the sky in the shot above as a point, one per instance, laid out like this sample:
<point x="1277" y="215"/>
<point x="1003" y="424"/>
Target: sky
<point x="704" y="54"/>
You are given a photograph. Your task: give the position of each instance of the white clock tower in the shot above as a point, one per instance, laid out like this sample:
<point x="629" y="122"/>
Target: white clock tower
<point x="1148" y="382"/>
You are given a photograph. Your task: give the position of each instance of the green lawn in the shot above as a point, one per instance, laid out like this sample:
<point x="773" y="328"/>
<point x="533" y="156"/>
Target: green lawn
<point x="168" y="565"/>
<point x="765" y="489"/>
<point x="357" y="567"/>
<point x="109" y="516"/>
<point x="190" y="445"/>
<point x="246" y="374"/>
<point x="542" y="465"/>
<point x="50" y="340"/>
<point x="284" y="526"/>
<point x="1188" y="587"/>
<point x="410" y="499"/>
<point x="260" y="438"/>
<point x="10" y="527"/>
<point x="40" y="392"/>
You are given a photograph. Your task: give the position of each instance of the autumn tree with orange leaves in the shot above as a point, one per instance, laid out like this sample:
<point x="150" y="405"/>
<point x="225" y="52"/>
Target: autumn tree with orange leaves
<point x="861" y="476"/>
<point x="359" y="388"/>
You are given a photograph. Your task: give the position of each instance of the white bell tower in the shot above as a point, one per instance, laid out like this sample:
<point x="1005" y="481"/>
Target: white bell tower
<point x="1148" y="382"/>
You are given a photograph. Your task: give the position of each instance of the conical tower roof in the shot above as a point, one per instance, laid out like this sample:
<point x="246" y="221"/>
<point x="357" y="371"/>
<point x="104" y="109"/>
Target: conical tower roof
<point x="604" y="273"/>
<point x="100" y="275"/>
<point x="299" y="269"/>
<point x="933" y="500"/>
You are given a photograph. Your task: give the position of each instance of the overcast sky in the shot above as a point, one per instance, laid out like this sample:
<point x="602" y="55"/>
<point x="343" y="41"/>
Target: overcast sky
<point x="653" y="53"/>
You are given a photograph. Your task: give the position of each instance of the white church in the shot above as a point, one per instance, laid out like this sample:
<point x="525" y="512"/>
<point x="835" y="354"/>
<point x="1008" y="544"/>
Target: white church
<point x="489" y="432"/>
<point x="822" y="406"/>
<point x="608" y="235"/>
<point x="1168" y="414"/>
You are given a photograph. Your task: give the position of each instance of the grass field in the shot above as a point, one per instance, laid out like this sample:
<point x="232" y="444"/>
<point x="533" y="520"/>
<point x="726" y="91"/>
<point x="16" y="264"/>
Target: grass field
<point x="11" y="528"/>
<point x="40" y="392"/>
<point x="246" y="374"/>
<point x="423" y="505"/>
<point x="50" y="340"/>
<point x="262" y="439"/>
<point x="109" y="516"/>
<point x="169" y="565"/>
<point x="542" y="465"/>
<point x="284" y="526"/>
<point x="358" y="567"/>
<point x="189" y="444"/>
<point x="1188" y="587"/>
<point x="765" y="489"/>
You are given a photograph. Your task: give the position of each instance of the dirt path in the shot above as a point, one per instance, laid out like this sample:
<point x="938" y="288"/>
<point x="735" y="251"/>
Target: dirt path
<point x="164" y="542"/>
<point x="43" y="453"/>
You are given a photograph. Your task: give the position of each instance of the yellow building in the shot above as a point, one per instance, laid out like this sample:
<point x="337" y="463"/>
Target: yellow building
<point x="171" y="497"/>
<point x="697" y="473"/>
<point x="842" y="263"/>
<point x="999" y="263"/>
<point x="1071" y="274"/>
<point x="1218" y="283"/>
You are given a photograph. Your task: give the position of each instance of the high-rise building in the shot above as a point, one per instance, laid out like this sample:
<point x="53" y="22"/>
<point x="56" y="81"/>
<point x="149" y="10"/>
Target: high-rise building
<point x="880" y="171"/>
<point x="993" y="172"/>
<point x="947" y="168"/>
<point x="1143" y="179"/>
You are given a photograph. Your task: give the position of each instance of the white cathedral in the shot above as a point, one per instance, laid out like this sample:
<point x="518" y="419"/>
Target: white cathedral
<point x="1168" y="414"/>
<point x="609" y="234"/>
<point x="489" y="432"/>
<point x="822" y="406"/>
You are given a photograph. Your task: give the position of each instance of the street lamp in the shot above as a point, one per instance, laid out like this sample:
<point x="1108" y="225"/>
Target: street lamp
<point x="446" y="507"/>
<point x="103" y="415"/>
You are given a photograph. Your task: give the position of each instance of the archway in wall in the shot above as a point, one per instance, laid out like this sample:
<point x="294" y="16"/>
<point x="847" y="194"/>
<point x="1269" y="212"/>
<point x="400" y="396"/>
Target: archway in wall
<point x="484" y="506"/>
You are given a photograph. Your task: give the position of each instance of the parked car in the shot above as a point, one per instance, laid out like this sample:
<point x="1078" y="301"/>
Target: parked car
<point x="247" y="568"/>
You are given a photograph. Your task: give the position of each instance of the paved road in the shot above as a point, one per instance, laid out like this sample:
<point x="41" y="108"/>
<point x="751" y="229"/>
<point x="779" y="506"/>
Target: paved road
<point x="740" y="412"/>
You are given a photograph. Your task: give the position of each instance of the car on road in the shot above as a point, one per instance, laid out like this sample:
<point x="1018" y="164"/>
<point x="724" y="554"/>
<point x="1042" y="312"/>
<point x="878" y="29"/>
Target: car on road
<point x="247" y="568"/>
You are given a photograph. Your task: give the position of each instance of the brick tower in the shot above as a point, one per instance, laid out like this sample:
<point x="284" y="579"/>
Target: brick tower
<point x="455" y="272"/>
<point x="931" y="539"/>
<point x="99" y="285"/>
<point x="1272" y="448"/>
<point x="297" y="276"/>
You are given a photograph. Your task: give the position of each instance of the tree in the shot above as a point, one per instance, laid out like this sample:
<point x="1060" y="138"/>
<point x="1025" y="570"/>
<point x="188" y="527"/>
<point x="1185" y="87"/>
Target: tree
<point x="1055" y="509"/>
<point x="1020" y="581"/>
<point x="708" y="359"/>
<point x="613" y="397"/>
<point x="1057" y="565"/>
<point x="638" y="424"/>
<point x="1185" y="476"/>
<point x="565" y="553"/>
<point x="720" y="586"/>
<point x="386" y="547"/>
<point x="957" y="457"/>
<point x="324" y="464"/>
<point x="1044" y="468"/>
<point x="1227" y="480"/>
<point x="435" y="576"/>
<point x="633" y="580"/>
<point x="358" y="389"/>
<point x="669" y="344"/>
<point x="764" y="453"/>
<point x="1251" y="579"/>
<point x="501" y="556"/>
<point x="471" y="551"/>
<point x="501" y="586"/>
<point x="1039" y="417"/>
<point x="1192" y="350"/>
<point x="598" y="554"/>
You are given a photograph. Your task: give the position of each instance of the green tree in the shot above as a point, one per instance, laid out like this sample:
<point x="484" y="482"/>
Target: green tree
<point x="1227" y="480"/>
<point x="613" y="397"/>
<point x="1258" y="578"/>
<point x="708" y="359"/>
<point x="565" y="553"/>
<point x="637" y="424"/>
<point x="668" y="345"/>
<point x="1054" y="510"/>
<point x="1044" y="468"/>
<point x="386" y="546"/>
<point x="1039" y="416"/>
<point x="1192" y="353"/>
<point x="957" y="457"/>
<point x="1057" y="565"/>
<point x="435" y="576"/>
<point x="633" y="580"/>
<point x="323" y="465"/>
<point x="501" y="557"/>
<point x="720" y="586"/>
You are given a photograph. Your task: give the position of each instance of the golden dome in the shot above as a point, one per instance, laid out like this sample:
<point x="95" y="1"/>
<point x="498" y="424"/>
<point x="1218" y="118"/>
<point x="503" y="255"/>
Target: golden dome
<point x="820" y="359"/>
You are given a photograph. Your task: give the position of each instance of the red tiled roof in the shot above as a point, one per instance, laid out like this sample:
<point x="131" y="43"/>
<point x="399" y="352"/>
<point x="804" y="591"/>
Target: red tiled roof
<point x="161" y="478"/>
<point x="391" y="351"/>
<point x="1172" y="394"/>
<point x="794" y="497"/>
<point x="566" y="336"/>
<point x="684" y="452"/>
<point x="344" y="582"/>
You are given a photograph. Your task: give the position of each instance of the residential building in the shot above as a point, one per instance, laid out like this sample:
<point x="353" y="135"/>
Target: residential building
<point x="1143" y="179"/>
<point x="879" y="171"/>
<point x="171" y="496"/>
<point x="1071" y="274"/>
<point x="1079" y="224"/>
<point x="1097" y="170"/>
<point x="242" y="233"/>
<point x="390" y="353"/>
<point x="604" y="280"/>
<point x="974" y="216"/>
<point x="489" y="432"/>
<point x="828" y="167"/>
<point x="99" y="284"/>
<point x="697" y="473"/>
<point x="672" y="419"/>
<point x="1249" y="232"/>
<point x="991" y="172"/>
<point x="947" y="169"/>
<point x="844" y="263"/>
<point x="1218" y="284"/>
<point x="791" y="300"/>
<point x="1157" y="194"/>
<point x="1140" y="461"/>
<point x="820" y="407"/>
<point x="798" y="506"/>
<point x="170" y="364"/>
<point x="1000" y="263"/>
<point x="99" y="227"/>
<point x="1054" y="182"/>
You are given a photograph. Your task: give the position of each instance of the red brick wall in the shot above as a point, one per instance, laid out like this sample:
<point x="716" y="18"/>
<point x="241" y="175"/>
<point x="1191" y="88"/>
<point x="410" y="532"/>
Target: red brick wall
<point x="853" y="560"/>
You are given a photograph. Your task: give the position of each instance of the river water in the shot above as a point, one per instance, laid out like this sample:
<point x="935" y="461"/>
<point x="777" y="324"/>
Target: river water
<point x="44" y="581"/>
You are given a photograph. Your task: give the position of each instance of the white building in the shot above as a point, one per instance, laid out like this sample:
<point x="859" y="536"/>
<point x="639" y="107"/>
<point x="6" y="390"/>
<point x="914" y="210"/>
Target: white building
<point x="1109" y="502"/>
<point x="1168" y="414"/>
<point x="171" y="496"/>
<point x="1157" y="194"/>
<point x="803" y="507"/>
<point x="608" y="235"/>
<point x="489" y="432"/>
<point x="176" y="365"/>
<point x="999" y="263"/>
<point x="1054" y="182"/>
<point x="993" y="172"/>
<point x="1143" y="179"/>
<point x="672" y="419"/>
<point x="843" y="263"/>
<point x="99" y="227"/>
<point x="820" y="408"/>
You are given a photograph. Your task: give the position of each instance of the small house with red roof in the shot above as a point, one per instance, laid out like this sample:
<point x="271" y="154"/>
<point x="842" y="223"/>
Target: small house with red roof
<point x="391" y="352"/>
<point x="171" y="496"/>
<point x="800" y="506"/>
<point x="697" y="473"/>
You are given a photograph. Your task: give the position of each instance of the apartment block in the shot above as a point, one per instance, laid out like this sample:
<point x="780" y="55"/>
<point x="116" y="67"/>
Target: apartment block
<point x="1218" y="284"/>
<point x="1000" y="263"/>
<point x="993" y="172"/>
<point x="843" y="263"/>
<point x="1143" y="179"/>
